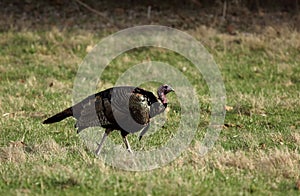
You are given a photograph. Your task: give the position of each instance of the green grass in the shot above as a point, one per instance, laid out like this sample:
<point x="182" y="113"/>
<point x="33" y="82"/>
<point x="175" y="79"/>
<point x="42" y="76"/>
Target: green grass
<point x="257" y="151"/>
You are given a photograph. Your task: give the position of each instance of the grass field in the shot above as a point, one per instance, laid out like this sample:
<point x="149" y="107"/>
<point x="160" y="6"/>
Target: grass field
<point x="257" y="151"/>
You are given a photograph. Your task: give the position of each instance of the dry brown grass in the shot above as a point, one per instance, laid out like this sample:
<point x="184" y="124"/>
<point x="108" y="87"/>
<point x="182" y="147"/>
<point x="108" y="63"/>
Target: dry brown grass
<point x="274" y="41"/>
<point x="14" y="153"/>
<point x="277" y="162"/>
<point x="295" y="136"/>
<point x="19" y="152"/>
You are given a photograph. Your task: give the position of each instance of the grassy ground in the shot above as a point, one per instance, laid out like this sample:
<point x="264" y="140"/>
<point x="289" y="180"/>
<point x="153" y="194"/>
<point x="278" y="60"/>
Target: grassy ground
<point x="257" y="151"/>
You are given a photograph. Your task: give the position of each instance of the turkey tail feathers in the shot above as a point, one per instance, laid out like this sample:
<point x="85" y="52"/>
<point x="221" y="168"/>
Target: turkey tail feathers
<point x="60" y="116"/>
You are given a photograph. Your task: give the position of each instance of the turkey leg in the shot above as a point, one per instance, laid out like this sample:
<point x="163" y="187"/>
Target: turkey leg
<point x="127" y="144"/>
<point x="107" y="131"/>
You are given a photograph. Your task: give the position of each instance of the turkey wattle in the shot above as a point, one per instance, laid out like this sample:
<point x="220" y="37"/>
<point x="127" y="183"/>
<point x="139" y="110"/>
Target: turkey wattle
<point x="125" y="108"/>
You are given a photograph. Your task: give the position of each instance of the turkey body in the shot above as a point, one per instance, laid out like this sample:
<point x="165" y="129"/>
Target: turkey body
<point x="125" y="108"/>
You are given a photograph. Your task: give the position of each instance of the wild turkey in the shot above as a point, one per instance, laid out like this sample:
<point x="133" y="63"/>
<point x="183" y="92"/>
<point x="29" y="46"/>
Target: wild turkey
<point x="125" y="108"/>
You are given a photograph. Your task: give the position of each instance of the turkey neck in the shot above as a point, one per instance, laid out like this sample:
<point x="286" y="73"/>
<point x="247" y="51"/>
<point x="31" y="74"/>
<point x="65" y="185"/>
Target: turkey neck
<point x="163" y="99"/>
